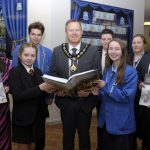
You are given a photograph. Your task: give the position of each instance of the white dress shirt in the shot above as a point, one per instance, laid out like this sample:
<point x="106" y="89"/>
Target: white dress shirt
<point x="103" y="59"/>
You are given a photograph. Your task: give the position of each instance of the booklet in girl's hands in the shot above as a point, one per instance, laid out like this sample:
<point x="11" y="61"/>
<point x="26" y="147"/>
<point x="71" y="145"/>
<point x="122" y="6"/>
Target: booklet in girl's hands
<point x="145" y="94"/>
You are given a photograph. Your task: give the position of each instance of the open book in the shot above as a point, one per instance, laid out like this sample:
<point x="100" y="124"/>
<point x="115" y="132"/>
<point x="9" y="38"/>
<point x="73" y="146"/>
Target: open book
<point x="69" y="86"/>
<point x="145" y="94"/>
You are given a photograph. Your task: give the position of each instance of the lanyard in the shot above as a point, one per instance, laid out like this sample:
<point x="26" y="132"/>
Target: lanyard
<point x="135" y="63"/>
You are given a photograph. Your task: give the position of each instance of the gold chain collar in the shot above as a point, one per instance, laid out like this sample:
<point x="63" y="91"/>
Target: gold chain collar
<point x="82" y="51"/>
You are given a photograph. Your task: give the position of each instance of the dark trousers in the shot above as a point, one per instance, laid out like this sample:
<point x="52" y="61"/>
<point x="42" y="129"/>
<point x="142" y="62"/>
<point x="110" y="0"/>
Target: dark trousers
<point x="73" y="118"/>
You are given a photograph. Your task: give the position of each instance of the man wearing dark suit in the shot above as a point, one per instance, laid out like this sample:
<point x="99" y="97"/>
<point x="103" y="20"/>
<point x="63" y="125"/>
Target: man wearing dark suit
<point x="76" y="112"/>
<point x="106" y="36"/>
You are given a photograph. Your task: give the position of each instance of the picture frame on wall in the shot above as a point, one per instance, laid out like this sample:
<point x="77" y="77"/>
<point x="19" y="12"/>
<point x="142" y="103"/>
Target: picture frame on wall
<point x="95" y="17"/>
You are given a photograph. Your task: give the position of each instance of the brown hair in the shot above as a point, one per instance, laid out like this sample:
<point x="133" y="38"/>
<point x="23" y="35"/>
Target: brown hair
<point x="25" y="45"/>
<point x="36" y="25"/>
<point x="143" y="39"/>
<point x="72" y="20"/>
<point x="107" y="31"/>
<point x="141" y="36"/>
<point x="123" y="62"/>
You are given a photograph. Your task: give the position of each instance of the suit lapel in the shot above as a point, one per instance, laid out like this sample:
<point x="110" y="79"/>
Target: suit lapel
<point x="65" y="62"/>
<point x="80" y="60"/>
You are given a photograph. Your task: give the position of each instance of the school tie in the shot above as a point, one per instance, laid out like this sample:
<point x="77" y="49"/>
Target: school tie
<point x="31" y="72"/>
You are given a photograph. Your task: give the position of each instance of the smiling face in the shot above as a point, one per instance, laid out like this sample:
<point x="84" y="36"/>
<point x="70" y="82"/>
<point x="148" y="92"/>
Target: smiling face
<point x="115" y="52"/>
<point x="105" y="39"/>
<point x="138" y="44"/>
<point x="28" y="56"/>
<point x="74" y="33"/>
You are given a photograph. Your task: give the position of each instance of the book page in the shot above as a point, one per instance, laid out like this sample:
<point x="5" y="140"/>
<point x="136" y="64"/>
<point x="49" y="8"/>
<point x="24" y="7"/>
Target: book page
<point x="84" y="77"/>
<point x="81" y="73"/>
<point x="70" y="86"/>
<point x="145" y="96"/>
<point x="61" y="80"/>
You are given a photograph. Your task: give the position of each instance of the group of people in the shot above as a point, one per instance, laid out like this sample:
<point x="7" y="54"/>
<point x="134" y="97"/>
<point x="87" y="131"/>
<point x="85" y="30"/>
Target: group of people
<point x="116" y="96"/>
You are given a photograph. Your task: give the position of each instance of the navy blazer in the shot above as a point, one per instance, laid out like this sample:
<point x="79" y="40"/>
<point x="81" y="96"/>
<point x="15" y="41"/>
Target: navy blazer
<point x="26" y="96"/>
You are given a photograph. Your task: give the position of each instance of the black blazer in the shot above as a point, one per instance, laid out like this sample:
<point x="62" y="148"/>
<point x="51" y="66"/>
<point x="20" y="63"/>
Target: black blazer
<point x="60" y="68"/>
<point x="26" y="97"/>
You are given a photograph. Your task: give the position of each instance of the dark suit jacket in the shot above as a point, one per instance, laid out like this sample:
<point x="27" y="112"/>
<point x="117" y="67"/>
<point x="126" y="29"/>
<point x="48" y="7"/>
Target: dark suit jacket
<point x="60" y="68"/>
<point x="26" y="97"/>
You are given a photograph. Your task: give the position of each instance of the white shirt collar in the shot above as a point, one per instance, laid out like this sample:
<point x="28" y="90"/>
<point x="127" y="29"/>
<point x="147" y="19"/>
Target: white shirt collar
<point x="27" y="68"/>
<point x="114" y="69"/>
<point x="104" y="51"/>
<point x="77" y="47"/>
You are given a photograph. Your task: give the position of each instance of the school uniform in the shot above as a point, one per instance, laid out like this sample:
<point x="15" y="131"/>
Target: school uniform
<point x="29" y="106"/>
<point x="116" y="118"/>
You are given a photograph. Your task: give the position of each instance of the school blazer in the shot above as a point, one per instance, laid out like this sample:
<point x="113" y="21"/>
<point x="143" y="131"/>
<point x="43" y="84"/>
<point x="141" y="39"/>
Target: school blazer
<point x="117" y="102"/>
<point x="26" y="96"/>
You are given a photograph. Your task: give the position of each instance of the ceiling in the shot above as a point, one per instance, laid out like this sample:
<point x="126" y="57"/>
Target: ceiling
<point x="147" y="10"/>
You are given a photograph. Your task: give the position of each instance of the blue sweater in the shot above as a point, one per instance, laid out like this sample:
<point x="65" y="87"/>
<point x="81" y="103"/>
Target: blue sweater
<point x="117" y="102"/>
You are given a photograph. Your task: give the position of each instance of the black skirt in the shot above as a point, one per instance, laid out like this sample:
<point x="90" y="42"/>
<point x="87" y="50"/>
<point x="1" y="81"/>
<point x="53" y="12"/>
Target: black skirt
<point x="29" y="134"/>
<point x="116" y="142"/>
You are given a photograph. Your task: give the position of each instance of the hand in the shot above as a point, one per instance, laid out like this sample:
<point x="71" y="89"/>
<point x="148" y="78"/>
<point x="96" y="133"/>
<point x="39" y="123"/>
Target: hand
<point x="100" y="83"/>
<point x="60" y="93"/>
<point x="47" y="87"/>
<point x="51" y="88"/>
<point x="6" y="89"/>
<point x="141" y="85"/>
<point x="95" y="90"/>
<point x="84" y="93"/>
